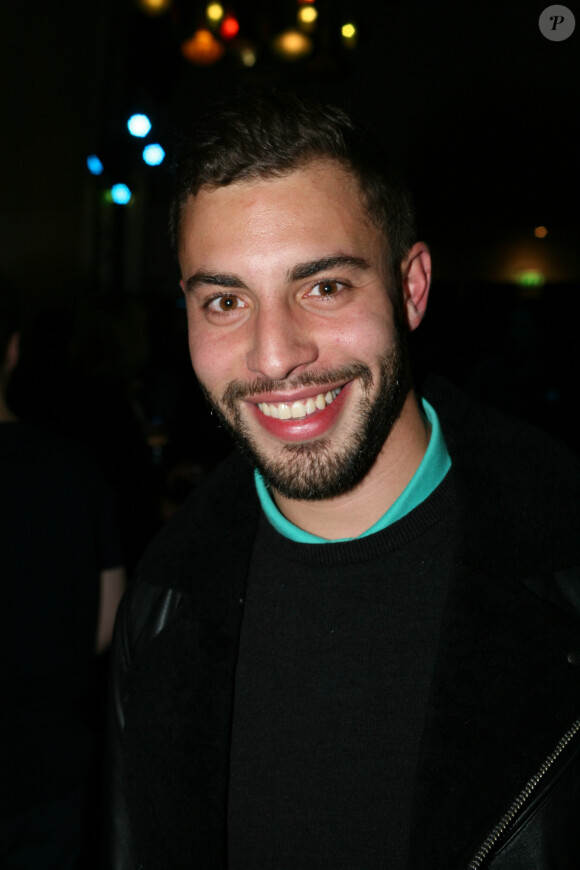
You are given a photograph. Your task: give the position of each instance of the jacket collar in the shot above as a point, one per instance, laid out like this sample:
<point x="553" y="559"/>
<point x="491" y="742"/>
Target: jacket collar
<point x="504" y="691"/>
<point x="503" y="694"/>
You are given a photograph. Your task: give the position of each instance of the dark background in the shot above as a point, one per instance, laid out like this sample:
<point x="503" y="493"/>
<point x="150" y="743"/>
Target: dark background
<point x="470" y="100"/>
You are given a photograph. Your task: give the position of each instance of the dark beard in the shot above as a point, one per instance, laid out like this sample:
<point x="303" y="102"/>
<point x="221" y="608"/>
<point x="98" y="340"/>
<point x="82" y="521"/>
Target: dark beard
<point x="314" y="470"/>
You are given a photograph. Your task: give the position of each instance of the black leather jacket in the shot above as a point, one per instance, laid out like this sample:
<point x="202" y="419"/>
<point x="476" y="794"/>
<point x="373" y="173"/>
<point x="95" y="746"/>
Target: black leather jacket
<point x="498" y="783"/>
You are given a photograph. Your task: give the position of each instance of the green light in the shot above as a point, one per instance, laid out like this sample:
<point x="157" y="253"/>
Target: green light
<point x="530" y="278"/>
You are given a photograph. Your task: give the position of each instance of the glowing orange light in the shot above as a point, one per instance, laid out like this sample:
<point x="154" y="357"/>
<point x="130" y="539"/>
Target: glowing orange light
<point x="292" y="44"/>
<point x="153" y="7"/>
<point x="540" y="232"/>
<point x="202" y="48"/>
<point x="229" y="27"/>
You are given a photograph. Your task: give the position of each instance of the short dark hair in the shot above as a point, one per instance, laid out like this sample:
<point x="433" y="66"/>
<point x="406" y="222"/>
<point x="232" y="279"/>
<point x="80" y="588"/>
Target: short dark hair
<point x="271" y="134"/>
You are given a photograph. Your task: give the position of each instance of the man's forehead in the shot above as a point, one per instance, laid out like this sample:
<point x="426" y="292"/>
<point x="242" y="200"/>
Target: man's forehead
<point x="326" y="174"/>
<point x="318" y="191"/>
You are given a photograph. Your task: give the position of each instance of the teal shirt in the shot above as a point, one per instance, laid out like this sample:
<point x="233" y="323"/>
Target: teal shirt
<point x="433" y="468"/>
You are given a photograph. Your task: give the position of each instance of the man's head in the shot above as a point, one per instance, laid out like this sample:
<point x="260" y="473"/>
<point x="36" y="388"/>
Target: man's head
<point x="270" y="135"/>
<point x="299" y="295"/>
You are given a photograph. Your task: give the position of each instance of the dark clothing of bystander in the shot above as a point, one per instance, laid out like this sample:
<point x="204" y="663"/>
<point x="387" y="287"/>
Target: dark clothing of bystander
<point x="58" y="533"/>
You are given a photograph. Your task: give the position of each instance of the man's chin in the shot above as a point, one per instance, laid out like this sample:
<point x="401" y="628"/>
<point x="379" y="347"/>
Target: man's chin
<point x="330" y="465"/>
<point x="303" y="472"/>
<point x="313" y="470"/>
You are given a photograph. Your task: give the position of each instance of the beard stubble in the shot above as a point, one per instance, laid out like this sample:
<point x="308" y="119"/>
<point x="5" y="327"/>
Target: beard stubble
<point x="321" y="469"/>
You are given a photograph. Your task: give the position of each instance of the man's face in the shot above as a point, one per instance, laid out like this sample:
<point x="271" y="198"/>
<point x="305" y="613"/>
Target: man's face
<point x="291" y="326"/>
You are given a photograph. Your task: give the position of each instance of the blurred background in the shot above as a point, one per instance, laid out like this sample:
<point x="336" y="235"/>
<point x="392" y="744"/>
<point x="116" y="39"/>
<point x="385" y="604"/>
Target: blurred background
<point x="474" y="104"/>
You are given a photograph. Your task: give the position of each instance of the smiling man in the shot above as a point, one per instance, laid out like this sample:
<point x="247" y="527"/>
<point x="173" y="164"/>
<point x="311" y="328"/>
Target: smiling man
<point x="356" y="645"/>
<point x="297" y="342"/>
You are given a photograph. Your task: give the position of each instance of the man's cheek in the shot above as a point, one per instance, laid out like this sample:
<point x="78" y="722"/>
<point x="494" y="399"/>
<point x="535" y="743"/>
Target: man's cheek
<point x="209" y="366"/>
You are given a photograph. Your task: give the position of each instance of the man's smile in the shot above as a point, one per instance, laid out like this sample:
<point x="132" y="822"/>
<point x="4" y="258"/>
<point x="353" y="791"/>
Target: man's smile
<point x="299" y="408"/>
<point x="301" y="417"/>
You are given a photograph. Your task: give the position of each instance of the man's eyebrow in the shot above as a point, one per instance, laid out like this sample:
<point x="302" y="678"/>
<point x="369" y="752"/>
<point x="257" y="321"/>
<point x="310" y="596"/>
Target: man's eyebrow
<point x="214" y="279"/>
<point x="313" y="267"/>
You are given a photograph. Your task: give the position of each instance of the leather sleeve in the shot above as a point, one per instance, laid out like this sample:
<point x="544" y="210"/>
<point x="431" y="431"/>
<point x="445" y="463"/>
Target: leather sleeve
<point x="119" y="853"/>
<point x="144" y="612"/>
<point x="548" y="837"/>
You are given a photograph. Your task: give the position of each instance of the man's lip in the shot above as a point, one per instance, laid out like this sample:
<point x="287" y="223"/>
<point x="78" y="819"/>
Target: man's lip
<point x="276" y="398"/>
<point x="300" y="429"/>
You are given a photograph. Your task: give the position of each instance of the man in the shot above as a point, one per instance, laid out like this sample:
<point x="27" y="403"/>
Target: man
<point x="356" y="645"/>
<point x="61" y="582"/>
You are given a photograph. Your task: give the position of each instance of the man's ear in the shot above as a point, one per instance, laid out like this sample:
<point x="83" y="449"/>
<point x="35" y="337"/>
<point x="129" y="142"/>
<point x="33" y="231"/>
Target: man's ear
<point x="416" y="279"/>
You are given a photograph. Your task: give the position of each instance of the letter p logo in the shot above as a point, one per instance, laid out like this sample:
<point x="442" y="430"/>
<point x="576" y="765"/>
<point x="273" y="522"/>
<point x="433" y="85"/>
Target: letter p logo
<point x="557" y="23"/>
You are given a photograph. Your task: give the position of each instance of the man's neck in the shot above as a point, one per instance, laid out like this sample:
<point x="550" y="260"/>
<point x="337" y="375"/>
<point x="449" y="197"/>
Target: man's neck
<point x="351" y="514"/>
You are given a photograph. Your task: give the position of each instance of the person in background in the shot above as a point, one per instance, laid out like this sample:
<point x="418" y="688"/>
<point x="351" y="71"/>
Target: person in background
<point x="61" y="579"/>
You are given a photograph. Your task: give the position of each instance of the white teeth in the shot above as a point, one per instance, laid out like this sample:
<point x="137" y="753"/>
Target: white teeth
<point x="299" y="409"/>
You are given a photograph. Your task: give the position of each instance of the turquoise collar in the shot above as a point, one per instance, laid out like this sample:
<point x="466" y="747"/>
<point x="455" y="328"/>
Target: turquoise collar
<point x="433" y="468"/>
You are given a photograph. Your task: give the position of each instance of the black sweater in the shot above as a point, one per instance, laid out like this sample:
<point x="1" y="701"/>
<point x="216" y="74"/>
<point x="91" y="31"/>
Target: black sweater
<point x="504" y="688"/>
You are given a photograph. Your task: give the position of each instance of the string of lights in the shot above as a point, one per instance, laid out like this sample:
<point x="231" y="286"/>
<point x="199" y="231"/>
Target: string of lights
<point x="220" y="31"/>
<point x="205" y="33"/>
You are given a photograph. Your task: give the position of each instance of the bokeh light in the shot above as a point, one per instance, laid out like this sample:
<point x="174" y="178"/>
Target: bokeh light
<point x="203" y="48"/>
<point x="247" y="52"/>
<point x="94" y="164"/>
<point x="230" y="27"/>
<point x="153" y="7"/>
<point x="530" y="278"/>
<point x="120" y="194"/>
<point x="139" y="125"/>
<point x="349" y="35"/>
<point x="214" y="12"/>
<point x="307" y="14"/>
<point x="153" y="154"/>
<point x="292" y="45"/>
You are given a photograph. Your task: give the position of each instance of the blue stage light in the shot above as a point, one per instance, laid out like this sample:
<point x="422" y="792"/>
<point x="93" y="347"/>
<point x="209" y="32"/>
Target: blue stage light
<point x="139" y="125"/>
<point x="120" y="194"/>
<point x="153" y="154"/>
<point x="94" y="165"/>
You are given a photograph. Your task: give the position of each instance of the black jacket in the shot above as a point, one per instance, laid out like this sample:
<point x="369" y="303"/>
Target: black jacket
<point x="498" y="782"/>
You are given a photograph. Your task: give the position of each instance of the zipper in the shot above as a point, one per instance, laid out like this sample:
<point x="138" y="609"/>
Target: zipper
<point x="520" y="801"/>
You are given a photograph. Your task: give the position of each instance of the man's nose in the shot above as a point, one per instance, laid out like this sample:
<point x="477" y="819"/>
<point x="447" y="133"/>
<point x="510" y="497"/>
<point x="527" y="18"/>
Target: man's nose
<point x="280" y="345"/>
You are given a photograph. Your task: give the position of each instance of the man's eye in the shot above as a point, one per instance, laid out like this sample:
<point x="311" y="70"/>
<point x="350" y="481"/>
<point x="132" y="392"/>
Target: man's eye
<point x="326" y="288"/>
<point x="223" y="304"/>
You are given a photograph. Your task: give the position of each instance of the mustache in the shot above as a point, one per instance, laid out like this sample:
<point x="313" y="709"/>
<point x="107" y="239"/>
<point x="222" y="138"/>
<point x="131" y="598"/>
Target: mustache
<point x="237" y="390"/>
